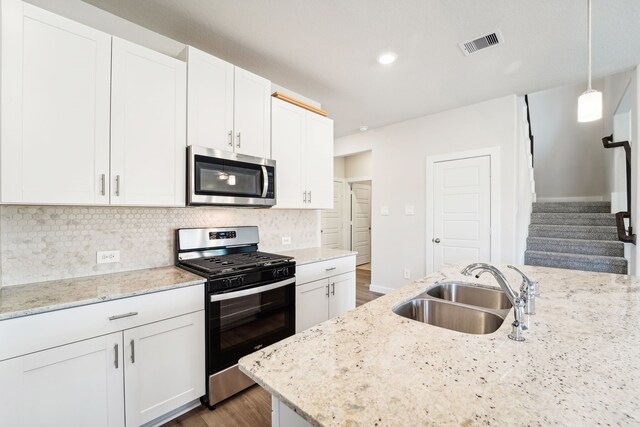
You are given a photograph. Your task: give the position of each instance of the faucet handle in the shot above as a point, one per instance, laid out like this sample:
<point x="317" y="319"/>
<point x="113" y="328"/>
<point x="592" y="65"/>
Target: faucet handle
<point x="528" y="287"/>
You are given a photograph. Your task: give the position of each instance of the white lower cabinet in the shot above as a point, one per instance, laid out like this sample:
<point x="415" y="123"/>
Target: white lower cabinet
<point x="79" y="384"/>
<point x="142" y="370"/>
<point x="324" y="290"/>
<point x="159" y="367"/>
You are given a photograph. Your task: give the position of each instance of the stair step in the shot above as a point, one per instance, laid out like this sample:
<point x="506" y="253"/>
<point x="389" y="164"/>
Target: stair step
<point x="582" y="232"/>
<point x="602" y="264"/>
<point x="576" y="246"/>
<point x="556" y="218"/>
<point x="572" y="207"/>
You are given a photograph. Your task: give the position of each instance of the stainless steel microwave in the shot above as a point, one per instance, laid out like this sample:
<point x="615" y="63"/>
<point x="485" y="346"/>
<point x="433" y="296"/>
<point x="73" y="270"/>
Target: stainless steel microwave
<point x="216" y="177"/>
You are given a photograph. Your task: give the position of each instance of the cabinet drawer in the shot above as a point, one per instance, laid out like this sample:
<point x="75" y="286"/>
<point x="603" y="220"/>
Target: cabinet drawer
<point x="319" y="270"/>
<point x="41" y="331"/>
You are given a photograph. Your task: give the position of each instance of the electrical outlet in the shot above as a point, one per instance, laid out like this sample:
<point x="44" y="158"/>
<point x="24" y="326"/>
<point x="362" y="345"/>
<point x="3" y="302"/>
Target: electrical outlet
<point x="407" y="273"/>
<point x="409" y="210"/>
<point x="286" y="240"/>
<point x="105" y="257"/>
<point x="384" y="210"/>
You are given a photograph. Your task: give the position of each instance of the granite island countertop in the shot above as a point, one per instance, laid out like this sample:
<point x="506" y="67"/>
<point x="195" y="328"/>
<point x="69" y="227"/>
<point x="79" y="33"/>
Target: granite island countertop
<point x="316" y="254"/>
<point x="579" y="364"/>
<point x="24" y="300"/>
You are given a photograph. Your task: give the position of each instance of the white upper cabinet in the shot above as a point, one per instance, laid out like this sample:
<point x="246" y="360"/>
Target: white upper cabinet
<point x="287" y="134"/>
<point x="319" y="166"/>
<point x="54" y="139"/>
<point x="148" y="127"/>
<point x="210" y="101"/>
<point x="302" y="146"/>
<point x="228" y="107"/>
<point x="252" y="114"/>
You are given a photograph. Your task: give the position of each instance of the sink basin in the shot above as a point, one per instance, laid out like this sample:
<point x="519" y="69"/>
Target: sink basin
<point x="450" y="316"/>
<point x="465" y="293"/>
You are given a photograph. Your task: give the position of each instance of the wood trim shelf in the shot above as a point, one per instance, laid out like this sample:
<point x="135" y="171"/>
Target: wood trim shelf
<point x="280" y="95"/>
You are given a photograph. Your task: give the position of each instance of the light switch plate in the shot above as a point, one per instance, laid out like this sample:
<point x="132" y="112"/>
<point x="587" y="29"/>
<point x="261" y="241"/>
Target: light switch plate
<point x="286" y="240"/>
<point x="384" y="210"/>
<point x="407" y="273"/>
<point x="106" y="257"/>
<point x="409" y="210"/>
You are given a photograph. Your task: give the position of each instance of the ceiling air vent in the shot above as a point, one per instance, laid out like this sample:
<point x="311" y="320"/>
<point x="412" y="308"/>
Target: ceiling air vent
<point x="484" y="42"/>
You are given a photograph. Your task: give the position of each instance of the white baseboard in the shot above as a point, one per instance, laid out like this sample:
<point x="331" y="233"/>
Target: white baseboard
<point x="173" y="414"/>
<point x="571" y="199"/>
<point x="380" y="289"/>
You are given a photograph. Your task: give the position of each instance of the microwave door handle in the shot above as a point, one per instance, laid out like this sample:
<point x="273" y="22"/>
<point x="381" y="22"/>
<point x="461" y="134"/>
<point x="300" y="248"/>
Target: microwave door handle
<point x="251" y="291"/>
<point x="265" y="180"/>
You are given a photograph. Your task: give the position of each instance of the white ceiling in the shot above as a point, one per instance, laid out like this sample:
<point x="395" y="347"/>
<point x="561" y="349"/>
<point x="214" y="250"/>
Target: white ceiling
<point x="326" y="49"/>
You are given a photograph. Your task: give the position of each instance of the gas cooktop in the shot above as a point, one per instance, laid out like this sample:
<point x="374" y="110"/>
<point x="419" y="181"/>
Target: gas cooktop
<point x="235" y="262"/>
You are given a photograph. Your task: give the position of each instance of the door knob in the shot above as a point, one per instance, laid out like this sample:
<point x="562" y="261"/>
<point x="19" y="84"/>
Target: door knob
<point x="436" y="240"/>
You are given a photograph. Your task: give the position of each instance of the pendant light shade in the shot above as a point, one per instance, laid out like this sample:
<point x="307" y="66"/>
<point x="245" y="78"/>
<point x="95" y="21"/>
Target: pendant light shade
<point x="590" y="102"/>
<point x="590" y="106"/>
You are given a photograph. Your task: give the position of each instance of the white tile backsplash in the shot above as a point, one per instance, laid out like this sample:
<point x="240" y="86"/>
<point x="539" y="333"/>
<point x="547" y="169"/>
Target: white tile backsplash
<point x="39" y="243"/>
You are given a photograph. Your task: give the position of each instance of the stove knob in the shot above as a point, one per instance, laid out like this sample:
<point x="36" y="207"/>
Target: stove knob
<point x="240" y="281"/>
<point x="274" y="272"/>
<point x="226" y="283"/>
<point x="286" y="271"/>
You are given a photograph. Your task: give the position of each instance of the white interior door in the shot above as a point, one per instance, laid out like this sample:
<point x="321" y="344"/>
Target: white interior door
<point x="332" y="220"/>
<point x="461" y="211"/>
<point x="361" y="221"/>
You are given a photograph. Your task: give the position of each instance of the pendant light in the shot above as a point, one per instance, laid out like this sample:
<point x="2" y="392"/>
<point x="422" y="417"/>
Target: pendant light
<point x="590" y="102"/>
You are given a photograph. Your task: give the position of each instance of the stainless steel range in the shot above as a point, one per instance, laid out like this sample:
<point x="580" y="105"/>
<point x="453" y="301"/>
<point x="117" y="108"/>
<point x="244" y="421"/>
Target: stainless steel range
<point x="250" y="300"/>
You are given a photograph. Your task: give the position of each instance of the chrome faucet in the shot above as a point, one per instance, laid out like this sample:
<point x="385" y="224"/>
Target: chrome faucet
<point x="516" y="300"/>
<point x="528" y="291"/>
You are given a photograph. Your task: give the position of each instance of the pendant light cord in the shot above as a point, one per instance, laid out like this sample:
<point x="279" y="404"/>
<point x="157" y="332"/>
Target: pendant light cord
<point x="589" y="18"/>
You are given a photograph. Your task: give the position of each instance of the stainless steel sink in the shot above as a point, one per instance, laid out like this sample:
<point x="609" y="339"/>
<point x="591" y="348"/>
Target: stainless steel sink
<point x="450" y="316"/>
<point x="471" y="294"/>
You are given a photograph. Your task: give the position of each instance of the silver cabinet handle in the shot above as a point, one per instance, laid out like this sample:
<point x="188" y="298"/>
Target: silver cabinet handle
<point x="103" y="184"/>
<point x="238" y="136"/>
<point x="309" y="196"/>
<point x="230" y="139"/>
<point x="333" y="288"/>
<point x="122" y="316"/>
<point x="304" y="197"/>
<point x="327" y="291"/>
<point x="133" y="351"/>
<point x="115" y="351"/>
<point x="117" y="185"/>
<point x="329" y="269"/>
<point x="436" y="240"/>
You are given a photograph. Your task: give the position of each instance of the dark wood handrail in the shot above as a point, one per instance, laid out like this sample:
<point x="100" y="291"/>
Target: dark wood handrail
<point x="526" y="101"/>
<point x="623" y="236"/>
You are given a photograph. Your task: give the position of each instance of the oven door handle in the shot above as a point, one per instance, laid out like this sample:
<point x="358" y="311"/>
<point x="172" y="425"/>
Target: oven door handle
<point x="265" y="180"/>
<point x="252" y="291"/>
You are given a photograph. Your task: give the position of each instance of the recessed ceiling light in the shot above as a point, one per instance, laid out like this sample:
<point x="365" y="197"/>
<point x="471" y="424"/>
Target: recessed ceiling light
<point x="387" y="58"/>
<point x="364" y="128"/>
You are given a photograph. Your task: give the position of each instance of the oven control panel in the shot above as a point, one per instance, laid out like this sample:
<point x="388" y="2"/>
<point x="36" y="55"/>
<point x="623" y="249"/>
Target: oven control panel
<point x="280" y="272"/>
<point x="218" y="235"/>
<point x="233" y="282"/>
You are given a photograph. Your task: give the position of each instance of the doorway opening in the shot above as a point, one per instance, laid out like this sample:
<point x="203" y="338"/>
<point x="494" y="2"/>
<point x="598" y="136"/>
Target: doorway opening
<point x="348" y="225"/>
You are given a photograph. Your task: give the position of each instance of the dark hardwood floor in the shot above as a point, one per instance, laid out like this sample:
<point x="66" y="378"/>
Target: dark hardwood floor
<point x="252" y="407"/>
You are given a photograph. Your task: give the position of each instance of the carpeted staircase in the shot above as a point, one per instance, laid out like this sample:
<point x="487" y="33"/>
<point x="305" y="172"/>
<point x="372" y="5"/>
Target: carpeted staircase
<point x="576" y="236"/>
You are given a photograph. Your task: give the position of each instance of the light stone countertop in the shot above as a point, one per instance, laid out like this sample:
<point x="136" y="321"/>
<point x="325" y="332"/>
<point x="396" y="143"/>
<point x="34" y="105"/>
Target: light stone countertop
<point x="24" y="300"/>
<point x="317" y="254"/>
<point x="579" y="364"/>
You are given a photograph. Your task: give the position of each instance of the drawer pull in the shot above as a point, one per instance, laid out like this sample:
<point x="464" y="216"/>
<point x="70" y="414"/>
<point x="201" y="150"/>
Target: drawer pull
<point x="333" y="288"/>
<point x="122" y="316"/>
<point x="115" y="351"/>
<point x="133" y="351"/>
<point x="330" y="269"/>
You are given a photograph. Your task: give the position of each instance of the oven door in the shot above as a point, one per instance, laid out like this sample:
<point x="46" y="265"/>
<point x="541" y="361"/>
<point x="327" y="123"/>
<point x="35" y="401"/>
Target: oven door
<point x="241" y="322"/>
<point x="224" y="178"/>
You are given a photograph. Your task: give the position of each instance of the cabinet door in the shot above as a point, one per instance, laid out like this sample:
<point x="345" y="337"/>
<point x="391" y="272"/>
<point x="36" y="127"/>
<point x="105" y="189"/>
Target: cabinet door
<point x="148" y="127"/>
<point x="343" y="294"/>
<point x="319" y="161"/>
<point x="252" y="114"/>
<point x="210" y="101"/>
<point x="164" y="366"/>
<point x="55" y="108"/>
<point x="312" y="304"/>
<point x="287" y="137"/>
<point x="78" y="384"/>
